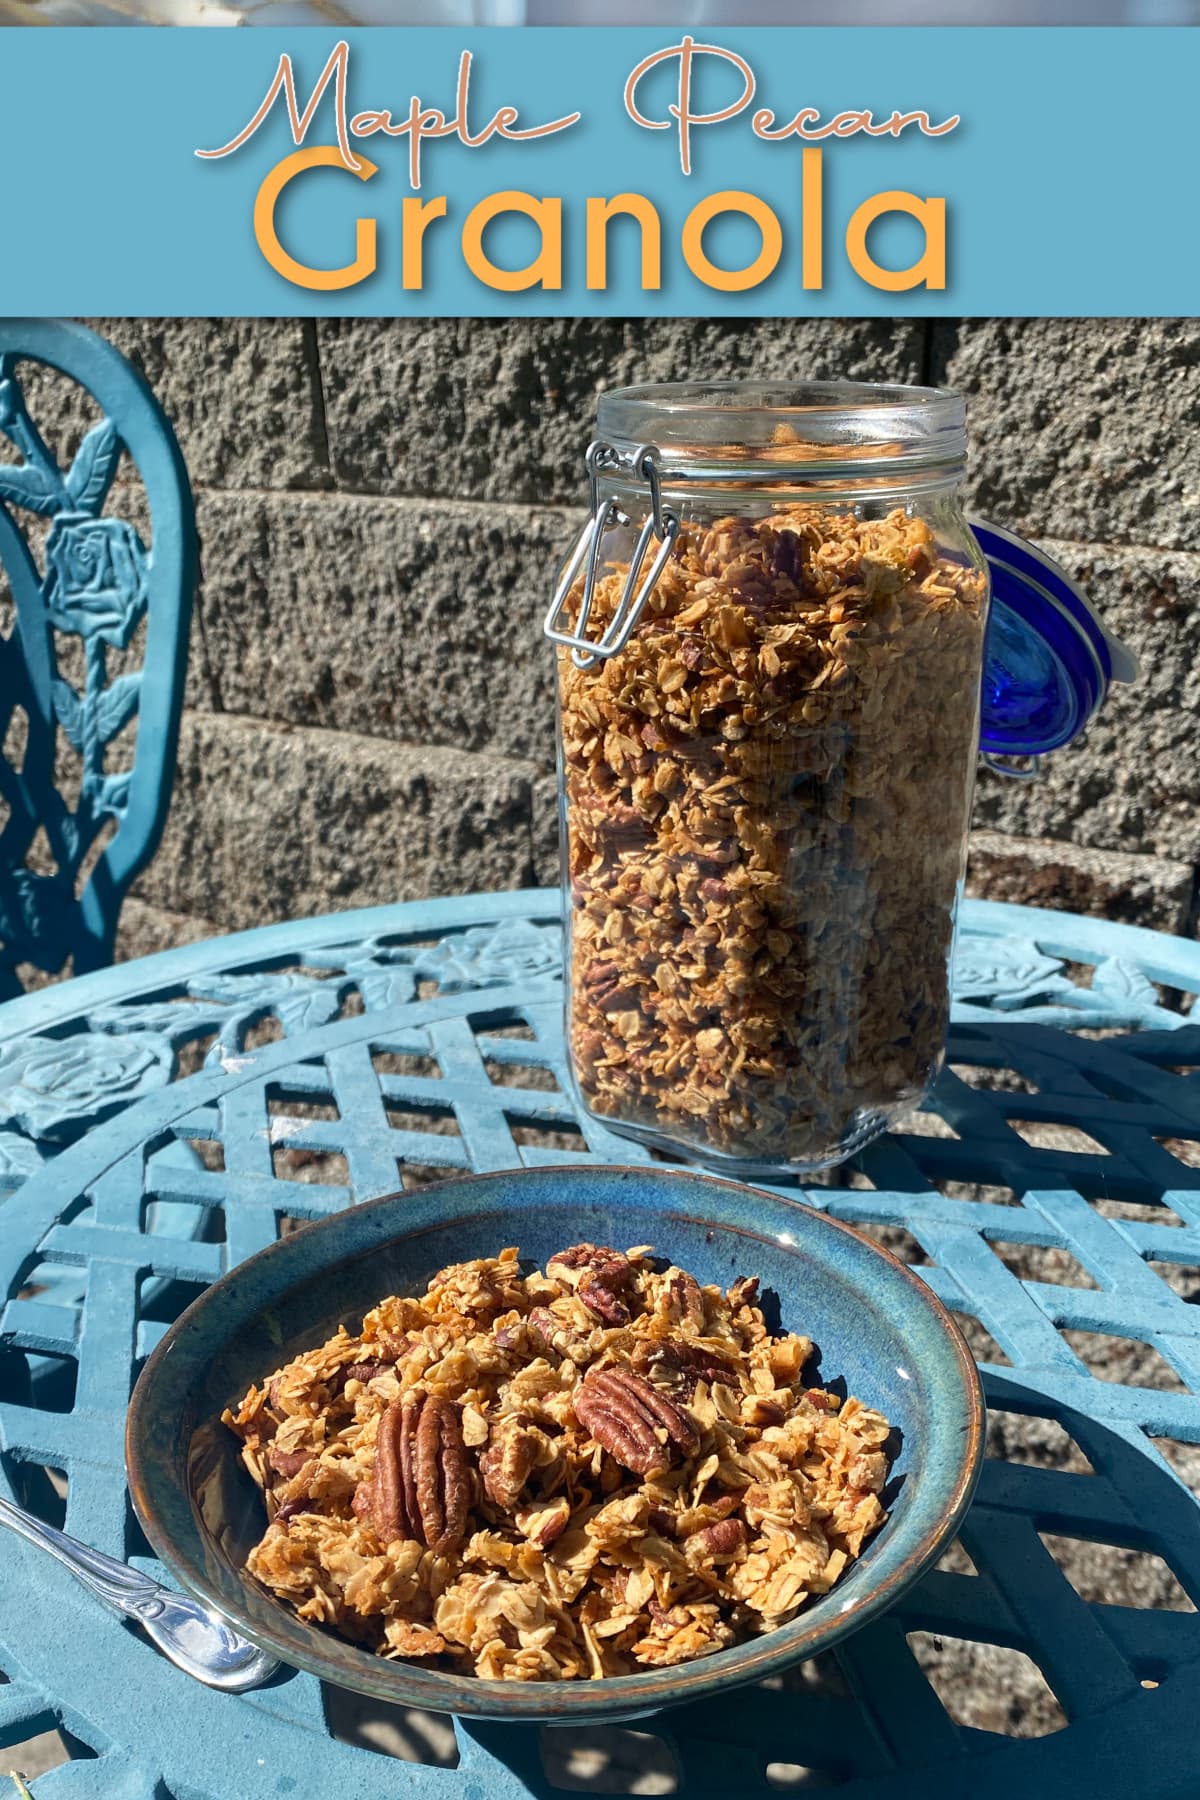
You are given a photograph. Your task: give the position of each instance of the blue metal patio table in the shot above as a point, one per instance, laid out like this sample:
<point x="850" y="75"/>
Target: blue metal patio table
<point x="163" y="1119"/>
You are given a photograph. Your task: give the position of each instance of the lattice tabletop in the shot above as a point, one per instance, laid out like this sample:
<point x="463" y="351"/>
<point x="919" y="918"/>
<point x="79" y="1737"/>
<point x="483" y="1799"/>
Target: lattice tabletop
<point x="164" y="1119"/>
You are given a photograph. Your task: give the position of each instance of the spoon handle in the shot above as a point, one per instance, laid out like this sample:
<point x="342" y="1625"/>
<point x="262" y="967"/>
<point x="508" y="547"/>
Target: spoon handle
<point x="114" y="1582"/>
<point x="194" y="1639"/>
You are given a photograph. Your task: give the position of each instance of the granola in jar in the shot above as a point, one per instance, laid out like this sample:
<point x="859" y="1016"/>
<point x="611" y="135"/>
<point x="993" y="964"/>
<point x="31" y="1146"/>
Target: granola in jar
<point x="782" y="650"/>
<point x="765" y="800"/>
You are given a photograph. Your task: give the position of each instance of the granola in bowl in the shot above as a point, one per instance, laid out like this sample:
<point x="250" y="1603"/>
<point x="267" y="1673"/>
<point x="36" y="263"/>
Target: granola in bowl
<point x="581" y="1472"/>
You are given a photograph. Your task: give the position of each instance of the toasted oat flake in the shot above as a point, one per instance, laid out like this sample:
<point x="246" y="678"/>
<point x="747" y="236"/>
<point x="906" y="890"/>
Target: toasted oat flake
<point x="570" y="1474"/>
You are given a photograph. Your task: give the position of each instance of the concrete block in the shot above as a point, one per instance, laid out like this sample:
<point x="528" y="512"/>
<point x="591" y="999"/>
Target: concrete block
<point x="417" y="621"/>
<point x="1132" y="782"/>
<point x="1082" y="428"/>
<point x="241" y="394"/>
<point x="1138" y="890"/>
<point x="144" y="930"/>
<point x="504" y="409"/>
<point x="274" y="822"/>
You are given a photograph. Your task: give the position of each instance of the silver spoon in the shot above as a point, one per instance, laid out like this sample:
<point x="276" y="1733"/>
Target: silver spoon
<point x="194" y="1639"/>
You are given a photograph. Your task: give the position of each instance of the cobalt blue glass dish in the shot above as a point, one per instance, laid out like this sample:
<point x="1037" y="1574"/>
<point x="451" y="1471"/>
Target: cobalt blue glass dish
<point x="876" y="1328"/>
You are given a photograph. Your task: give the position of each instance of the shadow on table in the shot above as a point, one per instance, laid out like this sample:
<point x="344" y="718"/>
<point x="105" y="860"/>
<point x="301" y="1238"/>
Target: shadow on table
<point x="1065" y="1502"/>
<point x="1121" y="1532"/>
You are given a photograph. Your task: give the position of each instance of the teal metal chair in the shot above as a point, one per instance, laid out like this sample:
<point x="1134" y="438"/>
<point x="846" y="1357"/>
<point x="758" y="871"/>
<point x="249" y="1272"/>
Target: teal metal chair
<point x="76" y="829"/>
<point x="82" y="806"/>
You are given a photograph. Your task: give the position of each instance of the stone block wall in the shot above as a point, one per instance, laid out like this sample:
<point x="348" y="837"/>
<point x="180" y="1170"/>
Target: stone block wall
<point x="382" y="504"/>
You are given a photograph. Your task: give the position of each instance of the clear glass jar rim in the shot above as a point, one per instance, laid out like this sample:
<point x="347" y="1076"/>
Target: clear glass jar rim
<point x="815" y="428"/>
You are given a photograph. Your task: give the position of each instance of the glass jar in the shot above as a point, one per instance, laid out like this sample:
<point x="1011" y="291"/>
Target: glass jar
<point x="771" y="639"/>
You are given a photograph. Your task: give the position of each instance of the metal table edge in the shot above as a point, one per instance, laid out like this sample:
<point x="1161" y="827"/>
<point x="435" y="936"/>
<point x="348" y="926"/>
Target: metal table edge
<point x="1172" y="961"/>
<point x="71" y="999"/>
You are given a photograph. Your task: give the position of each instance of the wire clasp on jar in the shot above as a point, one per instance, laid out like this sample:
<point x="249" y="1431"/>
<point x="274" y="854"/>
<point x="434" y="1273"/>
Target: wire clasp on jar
<point x="661" y="524"/>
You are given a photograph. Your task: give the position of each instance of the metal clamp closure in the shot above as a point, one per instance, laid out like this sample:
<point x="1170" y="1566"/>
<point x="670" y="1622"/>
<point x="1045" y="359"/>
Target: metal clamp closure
<point x="1025" y="769"/>
<point x="604" y="512"/>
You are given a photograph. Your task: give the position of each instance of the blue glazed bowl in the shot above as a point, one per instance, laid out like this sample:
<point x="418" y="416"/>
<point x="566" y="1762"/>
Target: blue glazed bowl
<point x="874" y="1325"/>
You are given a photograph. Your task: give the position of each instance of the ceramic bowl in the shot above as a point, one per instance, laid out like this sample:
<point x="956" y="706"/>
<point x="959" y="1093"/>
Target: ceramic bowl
<point x="875" y="1327"/>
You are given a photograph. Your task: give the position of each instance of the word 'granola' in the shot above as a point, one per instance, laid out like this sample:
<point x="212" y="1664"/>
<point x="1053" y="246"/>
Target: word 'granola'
<point x="503" y="1477"/>
<point x="766" y="796"/>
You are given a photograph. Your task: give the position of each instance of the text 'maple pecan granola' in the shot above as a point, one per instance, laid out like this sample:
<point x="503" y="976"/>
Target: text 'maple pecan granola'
<point x="766" y="798"/>
<point x="580" y="1473"/>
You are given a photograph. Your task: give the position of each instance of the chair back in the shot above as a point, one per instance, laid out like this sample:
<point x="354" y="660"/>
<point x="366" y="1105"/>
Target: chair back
<point x="87" y="751"/>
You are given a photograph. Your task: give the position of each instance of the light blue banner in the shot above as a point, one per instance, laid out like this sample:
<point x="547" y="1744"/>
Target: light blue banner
<point x="1068" y="181"/>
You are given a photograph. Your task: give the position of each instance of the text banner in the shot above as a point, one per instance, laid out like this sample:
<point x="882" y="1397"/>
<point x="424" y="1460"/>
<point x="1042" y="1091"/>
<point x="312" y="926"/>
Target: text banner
<point x="600" y="171"/>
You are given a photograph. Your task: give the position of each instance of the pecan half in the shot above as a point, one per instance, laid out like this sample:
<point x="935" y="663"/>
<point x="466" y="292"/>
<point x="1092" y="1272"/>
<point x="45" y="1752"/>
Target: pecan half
<point x="543" y="1523"/>
<point x="600" y="1299"/>
<point x="508" y="1462"/>
<point x="637" y="1424"/>
<point x="744" y="1291"/>
<point x="288" y="1462"/>
<point x="724" y="1537"/>
<point x="390" y="1350"/>
<point x="680" y="1366"/>
<point x="589" y="1045"/>
<point x="544" y="1326"/>
<point x="684" y="1303"/>
<point x="519" y="1339"/>
<point x="360" y="1371"/>
<point x="599" y="1276"/>
<point x="822" y="1400"/>
<point x="295" y="1495"/>
<point x="673" y="1618"/>
<point x="421" y="1489"/>
<point x="290" y="1508"/>
<point x="602" y="979"/>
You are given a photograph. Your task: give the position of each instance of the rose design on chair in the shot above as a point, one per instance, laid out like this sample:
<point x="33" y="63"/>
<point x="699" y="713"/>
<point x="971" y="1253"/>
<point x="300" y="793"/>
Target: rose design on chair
<point x="1006" y="973"/>
<point x="19" y="1160"/>
<point x="97" y="585"/>
<point x="487" y="955"/>
<point x="50" y="1087"/>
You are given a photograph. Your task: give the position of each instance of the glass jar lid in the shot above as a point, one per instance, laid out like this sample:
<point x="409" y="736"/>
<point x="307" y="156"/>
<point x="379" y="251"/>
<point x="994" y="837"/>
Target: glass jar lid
<point x="742" y="430"/>
<point x="1048" y="659"/>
